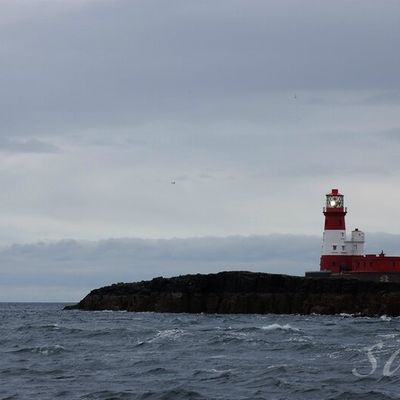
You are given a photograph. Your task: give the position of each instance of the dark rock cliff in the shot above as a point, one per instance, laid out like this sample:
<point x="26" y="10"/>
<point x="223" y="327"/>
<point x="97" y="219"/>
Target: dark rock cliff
<point x="247" y="292"/>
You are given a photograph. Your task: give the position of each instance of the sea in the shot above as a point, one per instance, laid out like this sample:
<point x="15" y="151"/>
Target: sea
<point x="48" y="353"/>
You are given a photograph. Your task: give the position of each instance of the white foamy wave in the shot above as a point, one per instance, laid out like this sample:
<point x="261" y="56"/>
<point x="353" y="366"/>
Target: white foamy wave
<point x="277" y="327"/>
<point x="167" y="334"/>
<point x="387" y="336"/>
<point x="48" y="350"/>
<point x="299" y="339"/>
<point x="385" y="318"/>
<point x="219" y="371"/>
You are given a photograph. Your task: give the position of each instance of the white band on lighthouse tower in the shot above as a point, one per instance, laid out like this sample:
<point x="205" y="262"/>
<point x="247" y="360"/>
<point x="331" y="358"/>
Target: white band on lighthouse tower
<point x="334" y="242"/>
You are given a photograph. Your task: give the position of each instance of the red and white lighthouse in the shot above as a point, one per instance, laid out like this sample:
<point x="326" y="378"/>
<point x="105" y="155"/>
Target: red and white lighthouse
<point x="337" y="251"/>
<point x="345" y="258"/>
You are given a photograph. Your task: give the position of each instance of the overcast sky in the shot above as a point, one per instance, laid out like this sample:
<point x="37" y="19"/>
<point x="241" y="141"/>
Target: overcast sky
<point x="254" y="108"/>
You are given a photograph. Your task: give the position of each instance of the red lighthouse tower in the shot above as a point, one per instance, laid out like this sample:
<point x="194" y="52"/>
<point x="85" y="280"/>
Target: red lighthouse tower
<point x="335" y="247"/>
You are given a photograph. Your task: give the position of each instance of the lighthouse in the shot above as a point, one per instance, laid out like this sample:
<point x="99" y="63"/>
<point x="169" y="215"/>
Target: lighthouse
<point x="344" y="257"/>
<point x="337" y="251"/>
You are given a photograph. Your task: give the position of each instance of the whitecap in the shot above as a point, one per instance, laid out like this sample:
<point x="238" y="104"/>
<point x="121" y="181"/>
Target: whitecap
<point x="277" y="366"/>
<point x="298" y="339"/>
<point x="388" y="336"/>
<point x="219" y="371"/>
<point x="385" y="318"/>
<point x="277" y="327"/>
<point x="48" y="350"/>
<point x="167" y="334"/>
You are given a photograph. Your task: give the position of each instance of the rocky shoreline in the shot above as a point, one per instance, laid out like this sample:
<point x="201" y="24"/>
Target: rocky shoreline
<point x="247" y="292"/>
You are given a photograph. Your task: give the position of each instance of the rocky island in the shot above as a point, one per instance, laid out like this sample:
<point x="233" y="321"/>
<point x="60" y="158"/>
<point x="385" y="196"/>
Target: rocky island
<point x="247" y="292"/>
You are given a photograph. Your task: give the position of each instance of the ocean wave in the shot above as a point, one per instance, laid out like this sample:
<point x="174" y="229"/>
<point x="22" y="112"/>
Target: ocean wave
<point x="172" y="394"/>
<point x="150" y="356"/>
<point x="158" y="371"/>
<point x="213" y="374"/>
<point x="346" y="315"/>
<point x="168" y="334"/>
<point x="387" y="335"/>
<point x="44" y="350"/>
<point x="108" y="395"/>
<point x="33" y="327"/>
<point x="371" y="395"/>
<point x="300" y="343"/>
<point x="278" y="327"/>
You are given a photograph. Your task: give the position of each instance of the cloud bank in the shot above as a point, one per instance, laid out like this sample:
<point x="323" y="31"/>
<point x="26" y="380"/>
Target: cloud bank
<point x="69" y="269"/>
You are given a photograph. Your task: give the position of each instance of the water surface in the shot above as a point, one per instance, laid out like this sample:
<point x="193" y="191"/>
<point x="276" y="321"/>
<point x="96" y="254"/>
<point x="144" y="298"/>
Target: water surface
<point x="48" y="353"/>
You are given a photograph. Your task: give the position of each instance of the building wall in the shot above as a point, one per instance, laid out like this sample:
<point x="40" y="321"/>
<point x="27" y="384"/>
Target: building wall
<point x="367" y="263"/>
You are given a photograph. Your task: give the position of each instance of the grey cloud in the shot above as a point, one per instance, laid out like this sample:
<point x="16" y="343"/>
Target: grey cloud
<point x="393" y="135"/>
<point x="27" y="146"/>
<point x="124" y="62"/>
<point x="73" y="266"/>
<point x="68" y="269"/>
<point x="203" y="83"/>
<point x="387" y="97"/>
<point x="377" y="242"/>
<point x="383" y="97"/>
